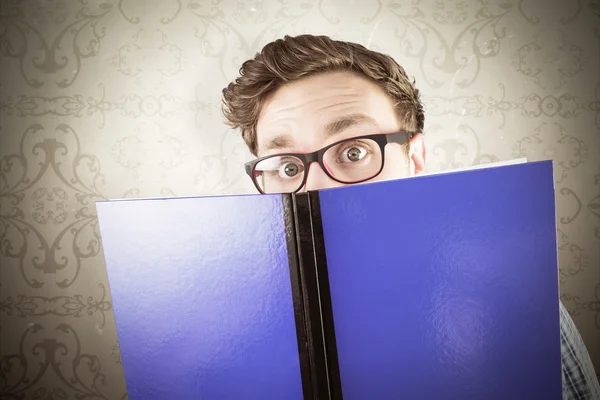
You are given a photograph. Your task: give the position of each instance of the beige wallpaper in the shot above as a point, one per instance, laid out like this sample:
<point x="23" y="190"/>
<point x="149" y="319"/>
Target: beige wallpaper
<point x="106" y="98"/>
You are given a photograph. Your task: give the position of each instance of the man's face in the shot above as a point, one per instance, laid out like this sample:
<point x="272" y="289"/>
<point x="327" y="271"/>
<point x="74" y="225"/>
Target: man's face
<point x="308" y="114"/>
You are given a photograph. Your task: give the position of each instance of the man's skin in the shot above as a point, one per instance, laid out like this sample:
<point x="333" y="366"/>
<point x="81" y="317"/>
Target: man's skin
<point x="295" y="118"/>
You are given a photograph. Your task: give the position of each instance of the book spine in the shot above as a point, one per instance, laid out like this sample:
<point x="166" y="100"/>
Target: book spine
<point x="298" y="297"/>
<point x="312" y="300"/>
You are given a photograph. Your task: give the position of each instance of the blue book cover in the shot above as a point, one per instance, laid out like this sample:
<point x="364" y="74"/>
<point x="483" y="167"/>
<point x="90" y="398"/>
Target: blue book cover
<point x="431" y="287"/>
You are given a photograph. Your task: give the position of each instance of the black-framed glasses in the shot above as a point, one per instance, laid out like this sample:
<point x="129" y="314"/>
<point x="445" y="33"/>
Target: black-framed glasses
<point x="348" y="161"/>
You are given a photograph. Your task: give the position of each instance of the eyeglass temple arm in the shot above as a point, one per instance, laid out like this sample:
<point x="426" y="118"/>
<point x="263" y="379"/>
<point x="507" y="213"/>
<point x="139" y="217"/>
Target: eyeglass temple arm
<point x="400" y="137"/>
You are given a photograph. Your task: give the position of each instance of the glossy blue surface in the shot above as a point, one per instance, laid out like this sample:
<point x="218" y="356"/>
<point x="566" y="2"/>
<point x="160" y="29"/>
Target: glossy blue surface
<point x="446" y="293"/>
<point x="202" y="297"/>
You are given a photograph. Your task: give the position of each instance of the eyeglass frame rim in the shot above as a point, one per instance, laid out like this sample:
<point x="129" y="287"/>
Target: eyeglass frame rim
<point x="382" y="139"/>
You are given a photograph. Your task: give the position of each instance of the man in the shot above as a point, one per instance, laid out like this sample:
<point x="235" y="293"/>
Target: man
<point x="334" y="106"/>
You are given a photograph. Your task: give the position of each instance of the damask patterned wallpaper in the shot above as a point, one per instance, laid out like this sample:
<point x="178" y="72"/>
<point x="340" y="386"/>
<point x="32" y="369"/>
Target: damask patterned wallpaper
<point x="107" y="99"/>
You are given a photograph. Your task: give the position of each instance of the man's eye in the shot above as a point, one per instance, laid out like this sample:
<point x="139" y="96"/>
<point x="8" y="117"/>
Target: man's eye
<point x="289" y="170"/>
<point x="352" y="154"/>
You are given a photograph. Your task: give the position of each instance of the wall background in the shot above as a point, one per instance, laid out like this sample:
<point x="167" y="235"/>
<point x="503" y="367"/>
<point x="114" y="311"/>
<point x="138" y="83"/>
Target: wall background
<point x="106" y="99"/>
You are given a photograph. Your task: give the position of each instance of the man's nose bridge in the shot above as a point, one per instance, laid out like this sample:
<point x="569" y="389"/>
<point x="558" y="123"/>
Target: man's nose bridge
<point x="316" y="178"/>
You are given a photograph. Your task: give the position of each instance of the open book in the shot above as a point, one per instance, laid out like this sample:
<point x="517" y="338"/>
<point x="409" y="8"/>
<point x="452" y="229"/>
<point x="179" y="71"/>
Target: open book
<point x="442" y="286"/>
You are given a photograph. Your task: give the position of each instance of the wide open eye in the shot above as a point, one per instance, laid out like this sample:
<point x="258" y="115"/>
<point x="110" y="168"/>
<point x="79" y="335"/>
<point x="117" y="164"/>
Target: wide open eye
<point x="352" y="153"/>
<point x="279" y="174"/>
<point x="280" y="167"/>
<point x="290" y="169"/>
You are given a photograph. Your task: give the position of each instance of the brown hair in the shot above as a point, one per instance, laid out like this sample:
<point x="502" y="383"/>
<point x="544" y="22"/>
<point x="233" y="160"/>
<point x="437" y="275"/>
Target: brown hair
<point x="292" y="58"/>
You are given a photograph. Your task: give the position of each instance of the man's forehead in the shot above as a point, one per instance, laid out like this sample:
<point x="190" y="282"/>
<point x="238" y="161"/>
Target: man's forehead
<point x="316" y="108"/>
<point x="316" y="92"/>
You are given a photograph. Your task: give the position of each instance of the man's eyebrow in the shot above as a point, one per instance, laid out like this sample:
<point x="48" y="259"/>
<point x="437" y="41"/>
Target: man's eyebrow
<point x="331" y="128"/>
<point x="278" y="142"/>
<point x="347" y="121"/>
